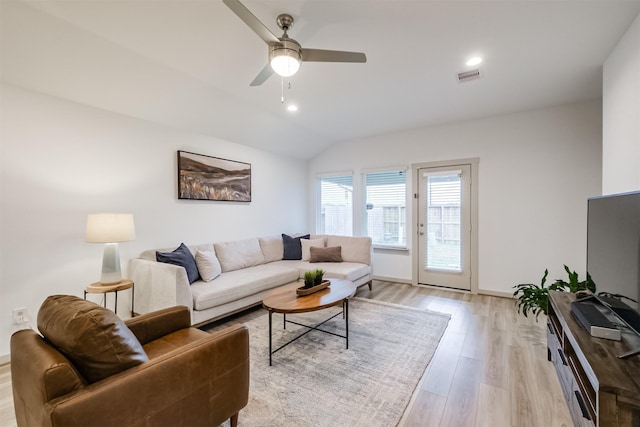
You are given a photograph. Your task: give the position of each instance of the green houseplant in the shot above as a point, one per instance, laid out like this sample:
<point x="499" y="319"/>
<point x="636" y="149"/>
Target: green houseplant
<point x="535" y="298"/>
<point x="309" y="279"/>
<point x="319" y="274"/>
<point x="313" y="278"/>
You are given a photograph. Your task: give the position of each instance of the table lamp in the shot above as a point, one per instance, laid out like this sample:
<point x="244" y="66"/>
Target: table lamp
<point x="110" y="228"/>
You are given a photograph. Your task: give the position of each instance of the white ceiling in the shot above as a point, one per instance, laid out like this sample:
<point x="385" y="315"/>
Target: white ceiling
<point x="188" y="64"/>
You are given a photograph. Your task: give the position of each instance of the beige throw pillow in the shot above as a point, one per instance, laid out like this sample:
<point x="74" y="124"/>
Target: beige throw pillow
<point x="239" y="254"/>
<point x="307" y="244"/>
<point x="331" y="254"/>
<point x="208" y="265"/>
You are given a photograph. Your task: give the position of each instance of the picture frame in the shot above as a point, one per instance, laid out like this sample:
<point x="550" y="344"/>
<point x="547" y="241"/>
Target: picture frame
<point x="202" y="177"/>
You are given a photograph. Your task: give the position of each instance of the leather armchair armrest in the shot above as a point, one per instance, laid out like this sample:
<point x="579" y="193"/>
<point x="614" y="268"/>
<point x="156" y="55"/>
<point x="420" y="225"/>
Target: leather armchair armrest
<point x="151" y="326"/>
<point x="202" y="383"/>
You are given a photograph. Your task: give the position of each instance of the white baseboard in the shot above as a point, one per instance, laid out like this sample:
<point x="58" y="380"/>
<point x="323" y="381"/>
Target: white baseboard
<point x="392" y="279"/>
<point x="496" y="293"/>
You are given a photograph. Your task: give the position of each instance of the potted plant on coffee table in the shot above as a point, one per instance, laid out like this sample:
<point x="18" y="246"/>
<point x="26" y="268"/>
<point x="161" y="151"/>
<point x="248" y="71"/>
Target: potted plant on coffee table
<point x="312" y="282"/>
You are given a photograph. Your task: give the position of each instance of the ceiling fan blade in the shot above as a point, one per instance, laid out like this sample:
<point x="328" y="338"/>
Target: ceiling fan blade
<point x="263" y="76"/>
<point x="320" y="55"/>
<point x="253" y="22"/>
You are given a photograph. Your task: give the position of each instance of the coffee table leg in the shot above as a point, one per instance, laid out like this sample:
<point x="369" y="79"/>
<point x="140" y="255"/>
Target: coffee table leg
<point x="284" y="320"/>
<point x="345" y="309"/>
<point x="270" y="353"/>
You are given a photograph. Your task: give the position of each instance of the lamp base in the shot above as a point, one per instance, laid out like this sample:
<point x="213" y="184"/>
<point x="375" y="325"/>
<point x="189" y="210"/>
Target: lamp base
<point x="111" y="265"/>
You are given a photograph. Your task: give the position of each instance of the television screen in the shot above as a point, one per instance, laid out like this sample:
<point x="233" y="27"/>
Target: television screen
<point x="613" y="245"/>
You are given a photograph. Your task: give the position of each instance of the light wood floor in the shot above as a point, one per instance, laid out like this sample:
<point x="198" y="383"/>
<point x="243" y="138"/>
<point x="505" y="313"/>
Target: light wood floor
<point x="490" y="368"/>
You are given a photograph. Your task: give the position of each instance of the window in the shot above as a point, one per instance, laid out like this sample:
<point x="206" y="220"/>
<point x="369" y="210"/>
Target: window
<point x="336" y="205"/>
<point x="385" y="208"/>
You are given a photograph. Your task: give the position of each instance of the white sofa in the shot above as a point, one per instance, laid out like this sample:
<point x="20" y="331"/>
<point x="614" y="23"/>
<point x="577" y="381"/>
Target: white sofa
<point x="250" y="268"/>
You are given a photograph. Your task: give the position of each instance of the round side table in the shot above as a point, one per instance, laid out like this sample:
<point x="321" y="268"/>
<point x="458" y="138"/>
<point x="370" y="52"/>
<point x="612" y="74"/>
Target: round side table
<point x="99" y="288"/>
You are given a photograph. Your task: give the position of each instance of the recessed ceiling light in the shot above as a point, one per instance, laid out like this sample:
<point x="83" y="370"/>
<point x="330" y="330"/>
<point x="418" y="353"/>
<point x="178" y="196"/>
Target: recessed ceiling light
<point x="474" y="61"/>
<point x="292" y="107"/>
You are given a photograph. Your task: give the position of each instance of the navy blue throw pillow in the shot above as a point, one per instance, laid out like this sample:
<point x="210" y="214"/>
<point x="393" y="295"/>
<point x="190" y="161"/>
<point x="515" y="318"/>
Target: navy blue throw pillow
<point x="181" y="257"/>
<point x="292" y="246"/>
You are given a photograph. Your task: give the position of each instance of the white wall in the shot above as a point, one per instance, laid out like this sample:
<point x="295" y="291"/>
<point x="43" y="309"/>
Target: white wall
<point x="536" y="171"/>
<point x="621" y="115"/>
<point x="62" y="160"/>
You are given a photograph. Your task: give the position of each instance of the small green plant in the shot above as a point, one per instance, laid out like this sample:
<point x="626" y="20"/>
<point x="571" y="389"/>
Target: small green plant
<point x="313" y="278"/>
<point x="309" y="279"/>
<point x="535" y="298"/>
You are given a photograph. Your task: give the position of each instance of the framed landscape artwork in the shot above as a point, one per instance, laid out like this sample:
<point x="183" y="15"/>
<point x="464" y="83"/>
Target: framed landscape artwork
<point x="203" y="177"/>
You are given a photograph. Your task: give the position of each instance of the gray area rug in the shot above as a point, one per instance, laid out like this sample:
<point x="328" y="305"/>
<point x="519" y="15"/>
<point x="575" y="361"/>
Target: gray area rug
<point x="315" y="381"/>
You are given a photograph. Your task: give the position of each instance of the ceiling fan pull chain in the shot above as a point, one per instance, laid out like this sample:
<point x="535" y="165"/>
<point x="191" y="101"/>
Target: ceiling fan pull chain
<point x="282" y="90"/>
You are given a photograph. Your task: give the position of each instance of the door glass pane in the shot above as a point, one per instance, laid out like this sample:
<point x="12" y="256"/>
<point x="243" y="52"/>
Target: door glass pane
<point x="443" y="222"/>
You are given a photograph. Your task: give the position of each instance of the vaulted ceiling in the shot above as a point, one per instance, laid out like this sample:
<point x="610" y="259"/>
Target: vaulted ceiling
<point x="188" y="64"/>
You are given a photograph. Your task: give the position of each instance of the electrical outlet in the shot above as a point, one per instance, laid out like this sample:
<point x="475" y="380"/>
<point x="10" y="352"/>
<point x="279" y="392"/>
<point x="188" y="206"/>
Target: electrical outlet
<point x="20" y="316"/>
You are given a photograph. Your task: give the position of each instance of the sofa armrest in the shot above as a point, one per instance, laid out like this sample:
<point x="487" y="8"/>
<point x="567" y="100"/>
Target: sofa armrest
<point x="202" y="383"/>
<point x="159" y="285"/>
<point x="151" y="326"/>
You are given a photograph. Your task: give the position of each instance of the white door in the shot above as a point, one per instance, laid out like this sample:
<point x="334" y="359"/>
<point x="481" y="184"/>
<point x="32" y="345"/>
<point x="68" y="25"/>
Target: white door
<point x="444" y="226"/>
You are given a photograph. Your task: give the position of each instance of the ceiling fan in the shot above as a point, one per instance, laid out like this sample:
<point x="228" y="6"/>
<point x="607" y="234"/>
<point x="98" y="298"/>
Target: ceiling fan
<point x="286" y="54"/>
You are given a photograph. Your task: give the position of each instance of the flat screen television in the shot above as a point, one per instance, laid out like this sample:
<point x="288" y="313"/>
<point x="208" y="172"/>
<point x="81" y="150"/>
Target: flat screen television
<point x="613" y="253"/>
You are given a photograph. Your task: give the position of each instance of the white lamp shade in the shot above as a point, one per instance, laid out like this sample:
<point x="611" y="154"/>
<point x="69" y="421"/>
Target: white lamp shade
<point x="285" y="62"/>
<point x="110" y="228"/>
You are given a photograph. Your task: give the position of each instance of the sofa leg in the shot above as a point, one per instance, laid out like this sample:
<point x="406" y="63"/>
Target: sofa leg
<point x="370" y="283"/>
<point x="234" y="420"/>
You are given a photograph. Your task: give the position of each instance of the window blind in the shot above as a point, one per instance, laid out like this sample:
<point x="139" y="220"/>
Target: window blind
<point x="443" y="220"/>
<point x="385" y="208"/>
<point x="336" y="205"/>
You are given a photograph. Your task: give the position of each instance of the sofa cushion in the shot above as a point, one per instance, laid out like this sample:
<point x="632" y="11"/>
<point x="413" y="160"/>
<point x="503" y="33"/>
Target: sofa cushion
<point x="292" y="246"/>
<point x="306" y="245"/>
<point x="208" y="265"/>
<point x="234" y="285"/>
<point x="354" y="249"/>
<point x="272" y="248"/>
<point x="341" y="270"/>
<point x="97" y="342"/>
<point x="328" y="254"/>
<point x="239" y="254"/>
<point x="181" y="257"/>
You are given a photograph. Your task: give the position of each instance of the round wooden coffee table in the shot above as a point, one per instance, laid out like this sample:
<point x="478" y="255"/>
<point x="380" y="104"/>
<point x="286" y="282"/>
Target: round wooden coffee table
<point x="285" y="300"/>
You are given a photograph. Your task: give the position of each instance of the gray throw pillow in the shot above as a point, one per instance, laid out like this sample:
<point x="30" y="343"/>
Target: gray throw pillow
<point x="292" y="247"/>
<point x="181" y="257"/>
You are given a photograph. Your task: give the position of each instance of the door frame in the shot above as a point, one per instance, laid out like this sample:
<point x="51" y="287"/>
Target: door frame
<point x="473" y="238"/>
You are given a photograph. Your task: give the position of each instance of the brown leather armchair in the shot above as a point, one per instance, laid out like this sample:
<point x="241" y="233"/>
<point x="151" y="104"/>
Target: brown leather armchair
<point x="183" y="376"/>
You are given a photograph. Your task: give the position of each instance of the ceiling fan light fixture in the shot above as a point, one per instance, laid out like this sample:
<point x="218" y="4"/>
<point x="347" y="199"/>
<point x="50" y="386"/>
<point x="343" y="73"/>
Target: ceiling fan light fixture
<point x="285" y="59"/>
<point x="474" y="61"/>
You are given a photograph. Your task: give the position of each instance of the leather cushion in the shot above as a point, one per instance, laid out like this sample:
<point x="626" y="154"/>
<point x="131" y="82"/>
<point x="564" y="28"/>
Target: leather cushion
<point x="330" y="254"/>
<point x="95" y="339"/>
